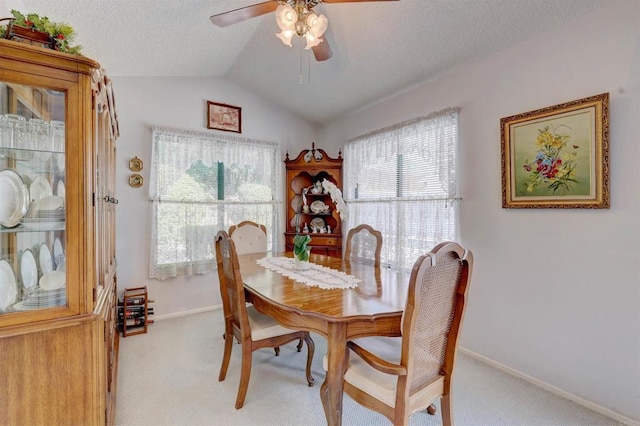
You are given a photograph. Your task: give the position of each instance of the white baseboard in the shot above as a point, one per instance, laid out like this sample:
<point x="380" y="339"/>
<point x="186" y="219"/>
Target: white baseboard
<point x="550" y="388"/>
<point x="186" y="313"/>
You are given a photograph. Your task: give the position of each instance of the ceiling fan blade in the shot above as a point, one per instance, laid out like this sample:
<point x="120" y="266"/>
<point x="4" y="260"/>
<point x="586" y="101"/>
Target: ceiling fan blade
<point x="234" y="16"/>
<point x="352" y="1"/>
<point x="323" y="51"/>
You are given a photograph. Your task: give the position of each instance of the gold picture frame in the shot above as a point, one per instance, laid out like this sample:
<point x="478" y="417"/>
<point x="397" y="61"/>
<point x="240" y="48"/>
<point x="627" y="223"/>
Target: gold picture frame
<point x="224" y="117"/>
<point x="557" y="157"/>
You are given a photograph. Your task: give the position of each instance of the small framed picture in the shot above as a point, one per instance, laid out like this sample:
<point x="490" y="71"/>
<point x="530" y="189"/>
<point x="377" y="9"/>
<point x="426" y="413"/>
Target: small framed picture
<point x="224" y="117"/>
<point x="558" y="156"/>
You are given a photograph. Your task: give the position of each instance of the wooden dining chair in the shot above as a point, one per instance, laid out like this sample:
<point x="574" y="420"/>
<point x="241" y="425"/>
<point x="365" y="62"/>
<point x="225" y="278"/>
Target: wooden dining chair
<point x="398" y="376"/>
<point x="363" y="245"/>
<point x="249" y="237"/>
<point x="251" y="328"/>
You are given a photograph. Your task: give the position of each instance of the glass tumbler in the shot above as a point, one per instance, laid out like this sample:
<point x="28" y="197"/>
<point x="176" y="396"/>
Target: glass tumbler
<point x="19" y="136"/>
<point x="39" y="138"/>
<point x="57" y="135"/>
<point x="6" y="133"/>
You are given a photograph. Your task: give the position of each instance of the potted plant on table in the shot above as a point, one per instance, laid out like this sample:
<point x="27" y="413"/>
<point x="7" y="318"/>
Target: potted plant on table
<point x="301" y="251"/>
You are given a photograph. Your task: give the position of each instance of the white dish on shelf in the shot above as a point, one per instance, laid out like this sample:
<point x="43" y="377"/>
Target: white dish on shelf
<point x="28" y="269"/>
<point x="14" y="198"/>
<point x="40" y="188"/>
<point x="318" y="206"/>
<point x="44" y="259"/>
<point x="19" y="307"/>
<point x="38" y="224"/>
<point x="49" y="203"/>
<point x="25" y="306"/>
<point x="58" y="252"/>
<point x="8" y="286"/>
<point x="318" y="223"/>
<point x="53" y="280"/>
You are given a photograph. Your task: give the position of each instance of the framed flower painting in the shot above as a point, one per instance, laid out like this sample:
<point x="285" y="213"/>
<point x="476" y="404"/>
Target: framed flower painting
<point x="557" y="157"/>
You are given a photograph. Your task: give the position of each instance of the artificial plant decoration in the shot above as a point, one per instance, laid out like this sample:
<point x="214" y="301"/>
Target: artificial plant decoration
<point x="61" y="34"/>
<point x="300" y="247"/>
<point x="336" y="196"/>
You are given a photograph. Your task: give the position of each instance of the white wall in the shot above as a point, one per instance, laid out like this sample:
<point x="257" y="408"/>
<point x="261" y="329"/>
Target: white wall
<point x="555" y="294"/>
<point x="179" y="103"/>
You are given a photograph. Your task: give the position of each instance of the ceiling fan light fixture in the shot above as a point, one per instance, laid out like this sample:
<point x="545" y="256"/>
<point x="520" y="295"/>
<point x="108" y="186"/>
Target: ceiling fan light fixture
<point x="286" y="17"/>
<point x="286" y="36"/>
<point x="317" y="24"/>
<point x="300" y="21"/>
<point x="312" y="41"/>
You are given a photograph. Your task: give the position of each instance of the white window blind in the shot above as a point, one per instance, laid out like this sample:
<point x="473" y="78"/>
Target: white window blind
<point x="402" y="181"/>
<point x="202" y="183"/>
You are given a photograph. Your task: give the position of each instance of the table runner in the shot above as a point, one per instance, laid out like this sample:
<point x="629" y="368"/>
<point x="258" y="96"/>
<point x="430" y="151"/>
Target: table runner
<point x="316" y="275"/>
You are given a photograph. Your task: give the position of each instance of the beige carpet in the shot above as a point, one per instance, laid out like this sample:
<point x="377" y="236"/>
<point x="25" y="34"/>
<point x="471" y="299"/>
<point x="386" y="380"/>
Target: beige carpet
<point x="169" y="376"/>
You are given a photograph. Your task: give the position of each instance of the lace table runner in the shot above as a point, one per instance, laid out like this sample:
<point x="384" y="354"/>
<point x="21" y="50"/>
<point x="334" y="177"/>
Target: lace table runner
<point x="316" y="275"/>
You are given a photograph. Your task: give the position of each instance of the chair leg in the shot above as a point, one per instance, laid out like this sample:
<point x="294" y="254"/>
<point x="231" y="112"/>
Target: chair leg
<point x="447" y="410"/>
<point x="401" y="417"/>
<point x="299" y="347"/>
<point x="277" y="350"/>
<point x="311" y="348"/>
<point x="431" y="409"/>
<point x="228" y="346"/>
<point x="245" y="373"/>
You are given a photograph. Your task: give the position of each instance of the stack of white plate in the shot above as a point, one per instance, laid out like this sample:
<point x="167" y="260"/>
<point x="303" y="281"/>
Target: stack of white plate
<point x="50" y="206"/>
<point x="40" y="299"/>
<point x="51" y="291"/>
<point x="48" y="211"/>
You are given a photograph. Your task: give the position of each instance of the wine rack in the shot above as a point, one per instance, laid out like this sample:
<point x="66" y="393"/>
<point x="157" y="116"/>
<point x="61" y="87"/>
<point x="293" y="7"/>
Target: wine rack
<point x="134" y="311"/>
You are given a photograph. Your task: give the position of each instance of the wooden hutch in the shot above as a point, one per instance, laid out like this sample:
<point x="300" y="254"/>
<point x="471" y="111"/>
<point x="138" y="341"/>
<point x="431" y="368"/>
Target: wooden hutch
<point x="309" y="209"/>
<point x="58" y="339"/>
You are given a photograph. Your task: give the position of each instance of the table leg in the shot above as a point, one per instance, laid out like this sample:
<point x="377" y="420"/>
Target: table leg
<point x="331" y="389"/>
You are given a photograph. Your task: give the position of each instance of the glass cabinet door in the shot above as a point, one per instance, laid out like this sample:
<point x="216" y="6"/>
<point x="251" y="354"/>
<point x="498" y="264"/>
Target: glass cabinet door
<point x="32" y="198"/>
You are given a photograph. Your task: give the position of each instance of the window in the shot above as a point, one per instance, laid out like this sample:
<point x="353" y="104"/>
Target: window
<point x="402" y="181"/>
<point x="203" y="183"/>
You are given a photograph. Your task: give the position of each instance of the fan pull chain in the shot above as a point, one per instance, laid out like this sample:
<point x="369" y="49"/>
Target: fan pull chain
<point x="309" y="66"/>
<point x="301" y="75"/>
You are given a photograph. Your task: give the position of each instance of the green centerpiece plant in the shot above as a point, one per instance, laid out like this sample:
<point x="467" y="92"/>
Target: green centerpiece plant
<point x="301" y="248"/>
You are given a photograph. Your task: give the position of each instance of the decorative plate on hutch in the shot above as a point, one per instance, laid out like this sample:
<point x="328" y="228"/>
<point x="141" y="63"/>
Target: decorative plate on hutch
<point x="14" y="198"/>
<point x="318" y="206"/>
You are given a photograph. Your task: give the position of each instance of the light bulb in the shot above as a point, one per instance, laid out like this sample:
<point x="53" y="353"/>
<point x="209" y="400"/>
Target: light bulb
<point x="286" y="17"/>
<point x="312" y="41"/>
<point x="317" y="24"/>
<point x="286" y="36"/>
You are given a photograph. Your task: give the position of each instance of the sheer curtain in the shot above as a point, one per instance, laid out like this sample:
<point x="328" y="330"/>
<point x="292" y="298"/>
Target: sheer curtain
<point x="402" y="181"/>
<point x="202" y="183"/>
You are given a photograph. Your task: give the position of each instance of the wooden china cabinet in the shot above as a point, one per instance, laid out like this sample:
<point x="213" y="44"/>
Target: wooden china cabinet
<point x="309" y="208"/>
<point x="58" y="341"/>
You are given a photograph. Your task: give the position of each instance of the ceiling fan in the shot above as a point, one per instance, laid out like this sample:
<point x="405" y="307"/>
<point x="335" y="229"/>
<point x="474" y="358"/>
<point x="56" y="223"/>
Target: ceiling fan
<point x="294" y="17"/>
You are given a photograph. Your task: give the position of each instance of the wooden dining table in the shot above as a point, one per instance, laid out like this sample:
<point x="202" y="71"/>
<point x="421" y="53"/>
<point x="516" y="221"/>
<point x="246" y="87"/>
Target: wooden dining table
<point x="373" y="308"/>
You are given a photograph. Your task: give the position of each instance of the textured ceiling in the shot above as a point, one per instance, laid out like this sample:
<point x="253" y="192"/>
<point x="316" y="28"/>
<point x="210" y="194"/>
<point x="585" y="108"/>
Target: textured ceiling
<point x="379" y="48"/>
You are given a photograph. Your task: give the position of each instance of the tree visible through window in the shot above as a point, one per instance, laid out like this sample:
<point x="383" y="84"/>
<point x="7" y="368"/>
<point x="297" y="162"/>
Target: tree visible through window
<point x="200" y="184"/>
<point x="402" y="181"/>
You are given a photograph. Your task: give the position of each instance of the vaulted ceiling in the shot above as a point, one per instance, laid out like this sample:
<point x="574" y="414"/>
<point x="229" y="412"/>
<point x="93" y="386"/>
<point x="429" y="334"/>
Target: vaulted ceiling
<point x="379" y="48"/>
